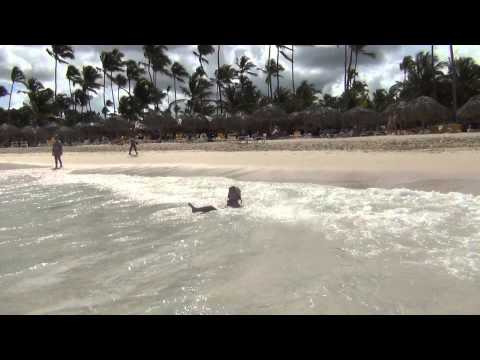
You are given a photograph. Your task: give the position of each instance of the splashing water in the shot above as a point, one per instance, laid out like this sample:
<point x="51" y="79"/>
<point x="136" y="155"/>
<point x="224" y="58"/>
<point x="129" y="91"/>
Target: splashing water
<point x="102" y="243"/>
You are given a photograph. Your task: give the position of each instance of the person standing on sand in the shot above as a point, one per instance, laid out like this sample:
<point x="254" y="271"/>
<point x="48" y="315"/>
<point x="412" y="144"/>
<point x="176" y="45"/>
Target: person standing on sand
<point x="57" y="152"/>
<point x="133" y="145"/>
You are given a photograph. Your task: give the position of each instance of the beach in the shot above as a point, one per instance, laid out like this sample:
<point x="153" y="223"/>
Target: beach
<point x="424" y="162"/>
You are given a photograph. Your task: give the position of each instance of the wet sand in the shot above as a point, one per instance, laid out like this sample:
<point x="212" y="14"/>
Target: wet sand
<point x="443" y="171"/>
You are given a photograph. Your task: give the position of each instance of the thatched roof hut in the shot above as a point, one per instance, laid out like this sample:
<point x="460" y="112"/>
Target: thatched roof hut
<point x="323" y="117"/>
<point x="8" y="130"/>
<point x="239" y="122"/>
<point x="265" y="118"/>
<point x="194" y="123"/>
<point x="88" y="129"/>
<point x="361" y="119"/>
<point x="425" y="111"/>
<point x="470" y="111"/>
<point x="396" y="116"/>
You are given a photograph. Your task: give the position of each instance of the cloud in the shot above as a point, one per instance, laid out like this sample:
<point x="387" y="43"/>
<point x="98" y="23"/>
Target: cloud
<point x="321" y="65"/>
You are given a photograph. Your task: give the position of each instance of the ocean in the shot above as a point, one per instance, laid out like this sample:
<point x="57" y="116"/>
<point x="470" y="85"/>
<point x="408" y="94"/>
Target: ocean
<point x="93" y="242"/>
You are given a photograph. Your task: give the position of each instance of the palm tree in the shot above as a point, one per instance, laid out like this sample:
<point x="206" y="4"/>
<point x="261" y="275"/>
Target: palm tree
<point x="197" y="90"/>
<point x="134" y="72"/>
<point x="224" y="77"/>
<point x="59" y="53"/>
<point x="420" y="77"/>
<point x="62" y="103"/>
<point x="280" y="50"/>
<point x="434" y="95"/>
<point x="453" y="70"/>
<point x="293" y="73"/>
<point x="41" y="101"/>
<point x="406" y="65"/>
<point x="271" y="69"/>
<point x="178" y="74"/>
<point x="149" y="53"/>
<point x="359" y="50"/>
<point x="16" y="76"/>
<point x="219" y="96"/>
<point x="116" y="64"/>
<point x="202" y="52"/>
<point x="121" y="82"/>
<point x="468" y="79"/>
<point x="345" y="69"/>
<point x="269" y="75"/>
<point x="81" y="98"/>
<point x="245" y="67"/>
<point x="89" y="83"/>
<point x="160" y="62"/>
<point x="105" y="59"/>
<point x="73" y="76"/>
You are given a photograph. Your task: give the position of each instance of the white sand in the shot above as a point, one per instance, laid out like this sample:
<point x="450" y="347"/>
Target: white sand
<point x="440" y="171"/>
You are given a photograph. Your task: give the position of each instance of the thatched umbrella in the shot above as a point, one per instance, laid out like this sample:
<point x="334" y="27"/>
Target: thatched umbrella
<point x="8" y="132"/>
<point x="396" y="116"/>
<point x="29" y="133"/>
<point x="237" y="123"/>
<point x="41" y="135"/>
<point x="67" y="133"/>
<point x="324" y="117"/>
<point x="425" y="111"/>
<point x="266" y="117"/>
<point x="470" y="112"/>
<point x="361" y="118"/>
<point x="116" y="126"/>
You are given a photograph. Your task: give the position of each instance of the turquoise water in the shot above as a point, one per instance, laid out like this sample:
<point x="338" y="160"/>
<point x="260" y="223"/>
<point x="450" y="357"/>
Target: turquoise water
<point x="99" y="243"/>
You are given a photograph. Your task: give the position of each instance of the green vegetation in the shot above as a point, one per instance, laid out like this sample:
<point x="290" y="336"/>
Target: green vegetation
<point x="238" y="105"/>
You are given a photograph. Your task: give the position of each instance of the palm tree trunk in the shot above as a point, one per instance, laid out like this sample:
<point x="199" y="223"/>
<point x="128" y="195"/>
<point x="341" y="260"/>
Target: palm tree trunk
<point x="345" y="68"/>
<point x="218" y="72"/>
<point x="270" y="78"/>
<point x="70" y="88"/>
<point x="175" y="92"/>
<point x="55" y="96"/>
<point x="104" y="87"/>
<point x="278" y="72"/>
<point x="10" y="97"/>
<point x="220" y="93"/>
<point x="113" y="96"/>
<point x="355" y="67"/>
<point x="118" y="95"/>
<point x="129" y="93"/>
<point x="349" y="76"/>
<point x="454" y="83"/>
<point x="433" y="77"/>
<point x="293" y="75"/>
<point x="149" y="73"/>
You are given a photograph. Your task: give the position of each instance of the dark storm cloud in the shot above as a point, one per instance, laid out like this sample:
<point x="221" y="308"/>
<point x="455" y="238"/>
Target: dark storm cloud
<point x="323" y="66"/>
<point x="4" y="66"/>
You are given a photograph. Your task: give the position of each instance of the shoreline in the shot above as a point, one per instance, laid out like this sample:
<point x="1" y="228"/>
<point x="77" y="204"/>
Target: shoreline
<point x="448" y="171"/>
<point x="425" y="142"/>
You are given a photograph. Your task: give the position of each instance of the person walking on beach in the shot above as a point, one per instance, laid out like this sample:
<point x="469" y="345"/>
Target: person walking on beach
<point x="57" y="152"/>
<point x="133" y="145"/>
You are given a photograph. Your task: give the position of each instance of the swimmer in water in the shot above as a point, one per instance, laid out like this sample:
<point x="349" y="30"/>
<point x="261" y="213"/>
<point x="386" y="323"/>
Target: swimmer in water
<point x="234" y="200"/>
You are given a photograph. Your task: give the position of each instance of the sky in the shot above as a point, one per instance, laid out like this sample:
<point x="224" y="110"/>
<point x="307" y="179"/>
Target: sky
<point x="321" y="65"/>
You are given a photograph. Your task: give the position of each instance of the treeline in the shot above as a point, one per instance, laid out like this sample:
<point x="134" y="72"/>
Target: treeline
<point x="132" y="89"/>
